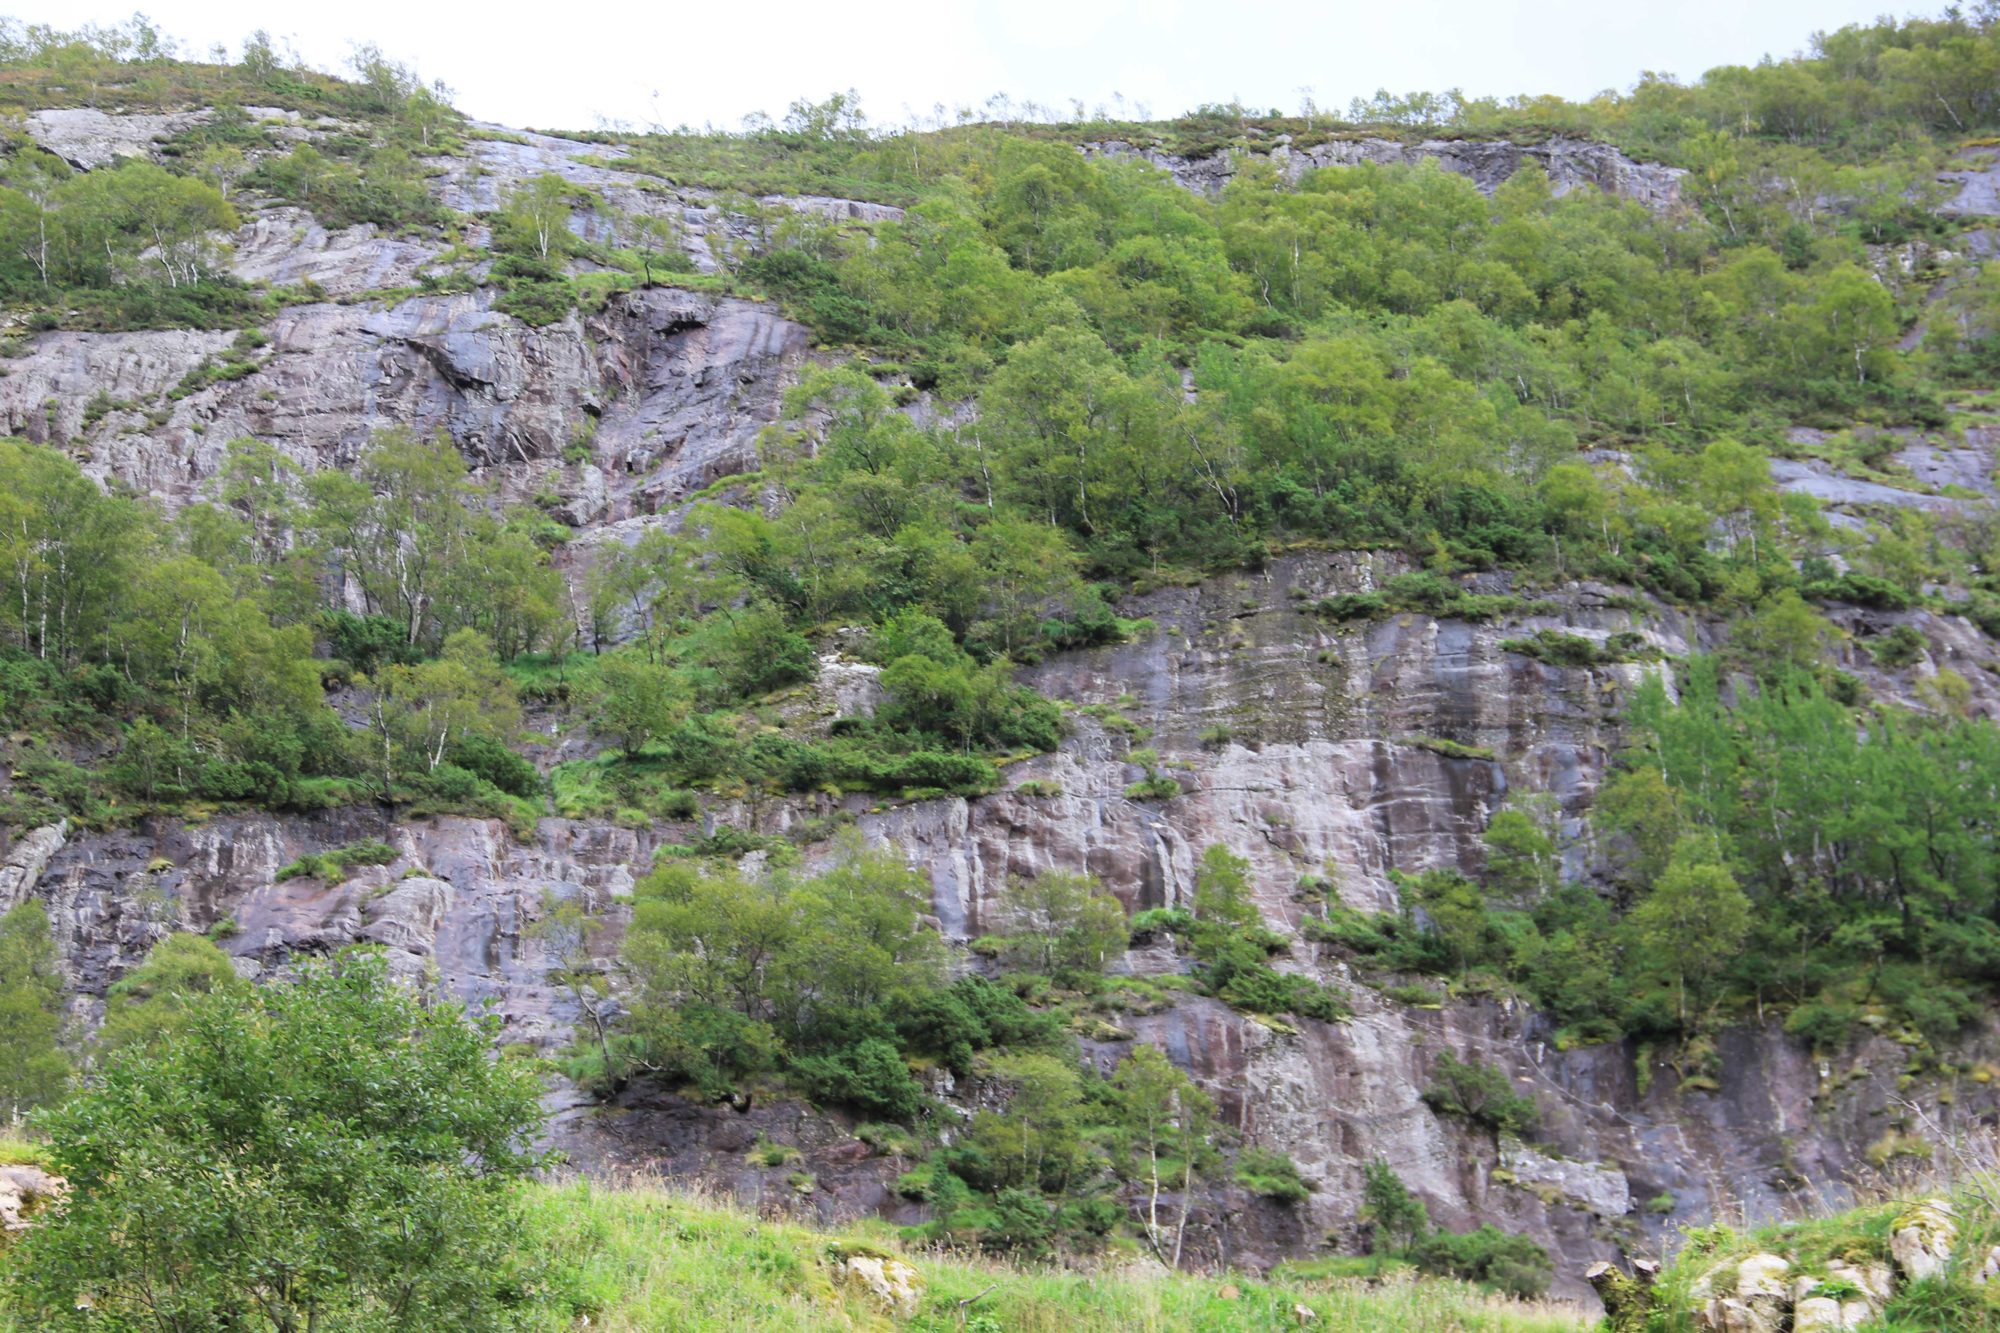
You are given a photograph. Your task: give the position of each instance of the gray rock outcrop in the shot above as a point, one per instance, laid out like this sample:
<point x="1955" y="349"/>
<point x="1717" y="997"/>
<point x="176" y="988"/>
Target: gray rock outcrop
<point x="1569" y="163"/>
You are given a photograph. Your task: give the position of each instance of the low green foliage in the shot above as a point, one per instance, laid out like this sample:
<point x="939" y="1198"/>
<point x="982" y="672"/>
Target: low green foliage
<point x="1272" y="1174"/>
<point x="157" y="1000"/>
<point x="1571" y="650"/>
<point x="1480" y="1094"/>
<point x="34" y="1069"/>
<point x="335" y="863"/>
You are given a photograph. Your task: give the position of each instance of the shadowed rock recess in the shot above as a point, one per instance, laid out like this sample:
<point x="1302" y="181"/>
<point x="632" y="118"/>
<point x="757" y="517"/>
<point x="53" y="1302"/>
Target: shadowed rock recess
<point x="1311" y="746"/>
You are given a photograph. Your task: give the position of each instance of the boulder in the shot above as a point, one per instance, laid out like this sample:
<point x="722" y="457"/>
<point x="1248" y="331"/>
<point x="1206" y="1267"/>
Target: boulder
<point x="24" y="1191"/>
<point x="1923" y="1239"/>
<point x="1756" y="1296"/>
<point x="896" y="1285"/>
<point x="1824" y="1314"/>
<point x="1726" y="1314"/>
<point x="1875" y="1281"/>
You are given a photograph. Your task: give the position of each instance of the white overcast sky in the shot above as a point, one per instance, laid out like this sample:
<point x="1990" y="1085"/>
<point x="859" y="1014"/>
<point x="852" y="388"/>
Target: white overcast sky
<point x="553" y="65"/>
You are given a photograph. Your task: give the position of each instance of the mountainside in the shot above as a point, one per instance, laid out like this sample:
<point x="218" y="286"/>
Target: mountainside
<point x="1245" y="556"/>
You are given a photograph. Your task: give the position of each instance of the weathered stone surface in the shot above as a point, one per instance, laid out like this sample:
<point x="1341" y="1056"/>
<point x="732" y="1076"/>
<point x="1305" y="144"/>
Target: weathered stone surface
<point x="1591" y="1186"/>
<point x="677" y="385"/>
<point x="25" y="860"/>
<point x="1569" y="163"/>
<point x="24" y="1192"/>
<point x="894" y="1284"/>
<point x="1924" y="1238"/>
<point x="288" y="246"/>
<point x="1976" y="173"/>
<point x="88" y="138"/>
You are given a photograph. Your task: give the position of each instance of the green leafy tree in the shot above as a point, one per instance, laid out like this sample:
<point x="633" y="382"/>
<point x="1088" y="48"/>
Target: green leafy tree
<point x="1693" y="920"/>
<point x="1063" y="925"/>
<point x="417" y="712"/>
<point x="1038" y="1141"/>
<point x="157" y="1000"/>
<point x="1396" y="1218"/>
<point x="535" y="216"/>
<point x="331" y="1152"/>
<point x="633" y="701"/>
<point x="1521" y="860"/>
<point x="1167" y="1128"/>
<point x="33" y="1068"/>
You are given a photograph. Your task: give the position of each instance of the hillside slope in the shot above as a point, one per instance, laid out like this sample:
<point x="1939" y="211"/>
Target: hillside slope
<point x="1341" y="705"/>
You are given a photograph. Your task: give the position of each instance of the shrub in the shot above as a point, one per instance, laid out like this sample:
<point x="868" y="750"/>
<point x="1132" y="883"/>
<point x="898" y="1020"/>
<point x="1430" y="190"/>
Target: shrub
<point x="386" y="1142"/>
<point x="1824" y="1025"/>
<point x="1023" y="1223"/>
<point x="1899" y="647"/>
<point x="1474" y="1091"/>
<point x="1861" y="590"/>
<point x="1395" y="1217"/>
<point x="1272" y="1174"/>
<point x="367" y="643"/>
<point x="1156" y="921"/>
<point x="488" y="759"/>
<point x="337" y="862"/>
<point x="869" y="1076"/>
<point x="1489" y="1256"/>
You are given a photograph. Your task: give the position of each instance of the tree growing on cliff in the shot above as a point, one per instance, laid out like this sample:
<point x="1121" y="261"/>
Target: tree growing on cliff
<point x="535" y="217"/>
<point x="1063" y="926"/>
<point x="158" y="998"/>
<point x="1167" y="1130"/>
<point x="1693" y="921"/>
<point x="634" y="701"/>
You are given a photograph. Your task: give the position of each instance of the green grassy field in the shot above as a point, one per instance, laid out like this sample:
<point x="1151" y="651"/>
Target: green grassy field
<point x="652" y="1260"/>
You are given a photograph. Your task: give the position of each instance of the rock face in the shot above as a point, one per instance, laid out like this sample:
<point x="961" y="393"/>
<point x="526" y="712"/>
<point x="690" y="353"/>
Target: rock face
<point x="25" y="860"/>
<point x="1328" y="754"/>
<point x="671" y="387"/>
<point x="87" y="138"/>
<point x="1570" y="164"/>
<point x="1326" y="769"/>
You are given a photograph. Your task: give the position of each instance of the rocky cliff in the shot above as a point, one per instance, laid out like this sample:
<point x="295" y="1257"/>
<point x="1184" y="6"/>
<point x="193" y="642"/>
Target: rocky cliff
<point x="1569" y="163"/>
<point x="1315" y="749"/>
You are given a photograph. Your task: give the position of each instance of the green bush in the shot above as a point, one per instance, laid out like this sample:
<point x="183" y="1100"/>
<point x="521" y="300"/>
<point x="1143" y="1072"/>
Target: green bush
<point x="1861" y="590"/>
<point x="367" y="643"/>
<point x="1481" y="1094"/>
<point x="1512" y="1264"/>
<point x="490" y="760"/>
<point x="1154" y="922"/>
<point x="1272" y="1174"/>
<point x="337" y="862"/>
<point x="1901" y="646"/>
<point x="870" y="1077"/>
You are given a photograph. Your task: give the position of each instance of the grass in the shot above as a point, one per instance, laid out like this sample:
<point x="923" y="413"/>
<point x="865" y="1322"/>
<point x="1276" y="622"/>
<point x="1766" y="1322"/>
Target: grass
<point x="648" y="1259"/>
<point x="21" y="1152"/>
